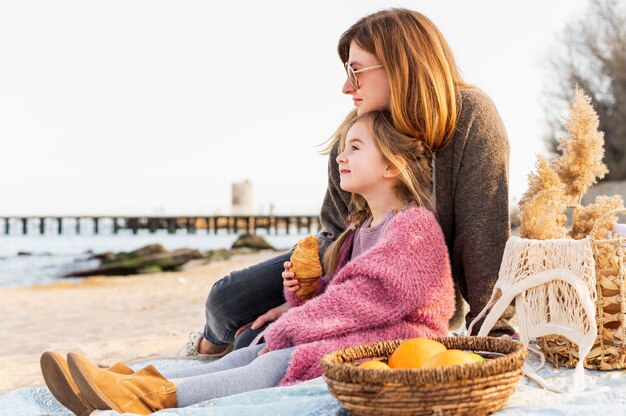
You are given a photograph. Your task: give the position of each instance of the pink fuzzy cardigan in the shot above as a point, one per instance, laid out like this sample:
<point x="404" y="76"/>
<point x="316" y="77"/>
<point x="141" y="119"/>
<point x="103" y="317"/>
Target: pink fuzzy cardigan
<point x="400" y="288"/>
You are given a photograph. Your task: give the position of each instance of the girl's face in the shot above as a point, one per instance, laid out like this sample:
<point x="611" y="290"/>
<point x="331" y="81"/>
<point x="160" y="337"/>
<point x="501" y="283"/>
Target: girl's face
<point x="362" y="167"/>
<point x="374" y="92"/>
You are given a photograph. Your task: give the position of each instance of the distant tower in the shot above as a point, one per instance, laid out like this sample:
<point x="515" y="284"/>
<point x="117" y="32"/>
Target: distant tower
<point x="242" y="198"/>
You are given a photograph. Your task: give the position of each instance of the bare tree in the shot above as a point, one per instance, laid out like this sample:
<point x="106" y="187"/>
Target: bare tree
<point x="592" y="54"/>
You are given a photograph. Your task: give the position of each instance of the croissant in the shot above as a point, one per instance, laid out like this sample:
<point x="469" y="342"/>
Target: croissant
<point x="306" y="266"/>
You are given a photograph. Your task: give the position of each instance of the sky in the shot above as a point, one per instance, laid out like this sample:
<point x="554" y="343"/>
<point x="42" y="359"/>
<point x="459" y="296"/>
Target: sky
<point x="147" y="107"/>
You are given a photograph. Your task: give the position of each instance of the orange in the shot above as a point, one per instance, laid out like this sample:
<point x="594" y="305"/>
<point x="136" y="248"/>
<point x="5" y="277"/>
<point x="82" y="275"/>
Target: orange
<point x="450" y="357"/>
<point x="374" y="364"/>
<point x="413" y="352"/>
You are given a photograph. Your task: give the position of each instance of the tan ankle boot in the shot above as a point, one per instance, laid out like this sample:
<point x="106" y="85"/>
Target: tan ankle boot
<point x="57" y="376"/>
<point x="143" y="392"/>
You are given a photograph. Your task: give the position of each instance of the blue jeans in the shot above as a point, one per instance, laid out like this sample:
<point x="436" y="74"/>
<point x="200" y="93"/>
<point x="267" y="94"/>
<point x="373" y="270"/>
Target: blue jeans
<point x="240" y="298"/>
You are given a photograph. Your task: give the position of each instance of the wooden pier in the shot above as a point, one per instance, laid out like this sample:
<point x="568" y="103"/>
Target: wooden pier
<point x="192" y="224"/>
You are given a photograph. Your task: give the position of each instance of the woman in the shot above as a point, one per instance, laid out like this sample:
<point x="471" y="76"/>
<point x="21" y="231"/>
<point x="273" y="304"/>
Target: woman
<point x="398" y="60"/>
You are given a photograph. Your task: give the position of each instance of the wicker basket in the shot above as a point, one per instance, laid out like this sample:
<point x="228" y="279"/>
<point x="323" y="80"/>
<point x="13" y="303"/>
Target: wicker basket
<point x="470" y="389"/>
<point x="609" y="349"/>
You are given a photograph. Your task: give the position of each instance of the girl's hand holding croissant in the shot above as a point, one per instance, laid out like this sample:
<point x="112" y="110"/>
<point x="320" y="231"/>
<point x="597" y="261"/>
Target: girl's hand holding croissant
<point x="289" y="281"/>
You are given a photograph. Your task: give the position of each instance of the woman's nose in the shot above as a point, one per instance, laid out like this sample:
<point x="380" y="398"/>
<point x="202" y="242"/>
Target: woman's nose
<point x="340" y="158"/>
<point x="347" y="87"/>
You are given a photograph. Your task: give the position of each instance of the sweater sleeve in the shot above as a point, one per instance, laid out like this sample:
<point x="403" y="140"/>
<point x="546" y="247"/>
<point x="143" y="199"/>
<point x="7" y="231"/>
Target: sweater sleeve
<point x="334" y="210"/>
<point x="481" y="209"/>
<point x="293" y="299"/>
<point x="376" y="291"/>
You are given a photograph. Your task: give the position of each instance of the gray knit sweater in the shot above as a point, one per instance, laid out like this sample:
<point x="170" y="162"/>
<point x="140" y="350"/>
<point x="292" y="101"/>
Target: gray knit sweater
<point x="471" y="189"/>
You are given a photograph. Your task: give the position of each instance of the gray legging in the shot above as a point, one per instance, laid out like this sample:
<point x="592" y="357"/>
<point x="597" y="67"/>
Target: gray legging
<point x="240" y="371"/>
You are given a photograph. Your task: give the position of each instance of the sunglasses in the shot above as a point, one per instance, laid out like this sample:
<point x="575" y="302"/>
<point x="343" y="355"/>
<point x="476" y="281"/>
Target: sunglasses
<point x="352" y="73"/>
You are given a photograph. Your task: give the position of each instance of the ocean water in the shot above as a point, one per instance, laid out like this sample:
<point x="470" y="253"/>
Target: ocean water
<point x="52" y="256"/>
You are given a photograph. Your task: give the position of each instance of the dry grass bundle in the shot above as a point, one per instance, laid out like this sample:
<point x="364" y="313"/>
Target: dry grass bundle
<point x="585" y="217"/>
<point x="564" y="181"/>
<point x="580" y="165"/>
<point x="545" y="178"/>
<point x="542" y="208"/>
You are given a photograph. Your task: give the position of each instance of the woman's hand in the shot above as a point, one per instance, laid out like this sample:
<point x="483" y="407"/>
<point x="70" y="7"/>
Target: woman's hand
<point x="289" y="282"/>
<point x="270" y="316"/>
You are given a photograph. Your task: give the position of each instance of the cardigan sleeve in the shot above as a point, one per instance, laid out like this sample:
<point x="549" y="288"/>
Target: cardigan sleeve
<point x="293" y="299"/>
<point x="378" y="288"/>
<point x="481" y="208"/>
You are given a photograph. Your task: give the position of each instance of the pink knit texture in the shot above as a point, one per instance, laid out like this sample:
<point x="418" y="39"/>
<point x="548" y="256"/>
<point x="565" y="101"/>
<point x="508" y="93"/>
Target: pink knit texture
<point x="400" y="288"/>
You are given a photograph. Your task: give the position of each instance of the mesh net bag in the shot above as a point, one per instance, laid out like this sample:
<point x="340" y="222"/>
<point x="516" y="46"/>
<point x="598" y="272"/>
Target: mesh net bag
<point x="553" y="285"/>
<point x="570" y="296"/>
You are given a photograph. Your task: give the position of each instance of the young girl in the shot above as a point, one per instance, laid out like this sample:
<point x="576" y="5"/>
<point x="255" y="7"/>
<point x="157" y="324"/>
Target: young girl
<point x="387" y="277"/>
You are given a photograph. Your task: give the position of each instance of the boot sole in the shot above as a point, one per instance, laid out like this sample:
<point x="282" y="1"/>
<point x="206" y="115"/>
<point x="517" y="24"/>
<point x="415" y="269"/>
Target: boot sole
<point x="228" y="349"/>
<point x="58" y="381"/>
<point x="88" y="389"/>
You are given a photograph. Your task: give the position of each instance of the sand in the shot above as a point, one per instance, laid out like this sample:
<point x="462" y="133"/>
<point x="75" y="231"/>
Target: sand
<point x="108" y="319"/>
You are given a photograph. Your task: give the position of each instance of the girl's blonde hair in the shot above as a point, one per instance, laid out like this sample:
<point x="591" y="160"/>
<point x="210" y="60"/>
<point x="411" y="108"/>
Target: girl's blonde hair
<point x="409" y="155"/>
<point x="424" y="79"/>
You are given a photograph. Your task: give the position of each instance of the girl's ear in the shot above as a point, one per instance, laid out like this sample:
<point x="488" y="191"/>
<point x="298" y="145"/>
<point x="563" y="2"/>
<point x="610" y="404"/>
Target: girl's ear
<point x="392" y="171"/>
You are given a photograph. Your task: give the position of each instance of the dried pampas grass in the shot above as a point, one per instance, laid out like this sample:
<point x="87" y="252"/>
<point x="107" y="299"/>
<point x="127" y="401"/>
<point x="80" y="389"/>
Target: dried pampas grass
<point x="580" y="165"/>
<point x="563" y="182"/>
<point x="545" y="178"/>
<point x="542" y="208"/>
<point x="586" y="217"/>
